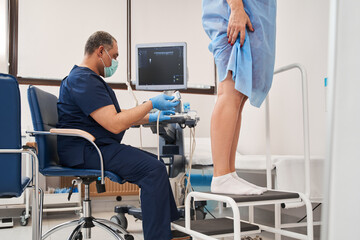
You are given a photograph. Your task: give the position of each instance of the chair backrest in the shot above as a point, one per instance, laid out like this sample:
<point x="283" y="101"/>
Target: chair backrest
<point x="10" y="137"/>
<point x="43" y="108"/>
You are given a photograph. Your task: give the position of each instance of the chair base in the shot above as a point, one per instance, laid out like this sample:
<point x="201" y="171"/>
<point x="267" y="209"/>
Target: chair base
<point x="85" y="224"/>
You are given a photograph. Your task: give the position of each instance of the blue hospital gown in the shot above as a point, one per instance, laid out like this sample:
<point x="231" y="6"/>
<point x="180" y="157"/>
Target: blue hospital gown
<point x="252" y="65"/>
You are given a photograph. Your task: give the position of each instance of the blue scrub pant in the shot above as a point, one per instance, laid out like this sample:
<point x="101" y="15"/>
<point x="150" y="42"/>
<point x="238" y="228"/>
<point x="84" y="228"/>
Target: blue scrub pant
<point x="144" y="169"/>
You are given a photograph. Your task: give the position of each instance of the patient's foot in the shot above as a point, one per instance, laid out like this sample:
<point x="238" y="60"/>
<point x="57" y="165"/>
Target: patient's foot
<point x="227" y="184"/>
<point x="234" y="174"/>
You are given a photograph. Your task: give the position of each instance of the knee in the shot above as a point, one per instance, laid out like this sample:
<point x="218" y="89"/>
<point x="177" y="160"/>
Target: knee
<point x="159" y="170"/>
<point x="156" y="178"/>
<point x="231" y="97"/>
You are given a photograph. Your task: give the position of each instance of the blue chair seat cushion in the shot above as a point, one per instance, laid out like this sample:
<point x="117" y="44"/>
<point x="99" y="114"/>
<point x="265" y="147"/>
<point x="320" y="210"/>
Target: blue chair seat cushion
<point x="25" y="181"/>
<point x="65" y="171"/>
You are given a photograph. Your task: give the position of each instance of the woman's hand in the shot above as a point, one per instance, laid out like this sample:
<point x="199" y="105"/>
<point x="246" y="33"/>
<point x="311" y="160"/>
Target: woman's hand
<point x="237" y="24"/>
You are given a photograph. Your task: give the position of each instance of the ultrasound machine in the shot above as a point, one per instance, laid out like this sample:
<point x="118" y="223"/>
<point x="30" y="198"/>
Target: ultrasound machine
<point x="163" y="67"/>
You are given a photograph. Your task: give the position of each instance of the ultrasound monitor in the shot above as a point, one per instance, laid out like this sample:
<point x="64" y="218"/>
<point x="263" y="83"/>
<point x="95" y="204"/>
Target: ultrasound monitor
<point x="161" y="66"/>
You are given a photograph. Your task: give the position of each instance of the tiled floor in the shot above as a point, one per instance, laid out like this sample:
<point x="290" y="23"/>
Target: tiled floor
<point x="102" y="208"/>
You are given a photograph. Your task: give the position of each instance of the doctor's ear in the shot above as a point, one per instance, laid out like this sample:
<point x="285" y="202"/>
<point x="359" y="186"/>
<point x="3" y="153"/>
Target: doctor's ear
<point x="100" y="51"/>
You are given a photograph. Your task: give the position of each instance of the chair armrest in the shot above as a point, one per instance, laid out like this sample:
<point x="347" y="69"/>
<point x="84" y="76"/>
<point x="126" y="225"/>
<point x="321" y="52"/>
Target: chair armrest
<point x="73" y="132"/>
<point x="35" y="160"/>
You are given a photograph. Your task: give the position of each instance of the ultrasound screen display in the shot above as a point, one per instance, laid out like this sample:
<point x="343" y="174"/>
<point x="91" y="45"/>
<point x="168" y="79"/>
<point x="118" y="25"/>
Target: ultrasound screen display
<point x="161" y="65"/>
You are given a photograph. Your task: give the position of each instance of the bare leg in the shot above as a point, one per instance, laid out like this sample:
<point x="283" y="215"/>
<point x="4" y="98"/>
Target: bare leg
<point x="236" y="137"/>
<point x="234" y="148"/>
<point x="223" y="125"/>
<point x="225" y="128"/>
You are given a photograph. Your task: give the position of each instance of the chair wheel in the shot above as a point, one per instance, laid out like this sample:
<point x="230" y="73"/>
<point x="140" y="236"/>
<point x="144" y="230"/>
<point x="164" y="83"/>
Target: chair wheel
<point x="129" y="237"/>
<point x="120" y="219"/>
<point x="23" y="221"/>
<point x="79" y="236"/>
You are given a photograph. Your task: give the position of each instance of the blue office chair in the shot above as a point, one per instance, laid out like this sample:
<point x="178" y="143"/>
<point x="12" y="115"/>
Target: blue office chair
<point x="12" y="182"/>
<point x="43" y="108"/>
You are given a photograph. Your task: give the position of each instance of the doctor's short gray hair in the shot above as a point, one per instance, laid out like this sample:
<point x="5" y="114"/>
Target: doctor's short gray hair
<point x="97" y="39"/>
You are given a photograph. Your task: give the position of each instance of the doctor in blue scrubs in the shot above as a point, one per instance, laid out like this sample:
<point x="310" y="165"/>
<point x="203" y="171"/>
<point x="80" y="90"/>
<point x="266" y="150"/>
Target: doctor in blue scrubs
<point x="88" y="103"/>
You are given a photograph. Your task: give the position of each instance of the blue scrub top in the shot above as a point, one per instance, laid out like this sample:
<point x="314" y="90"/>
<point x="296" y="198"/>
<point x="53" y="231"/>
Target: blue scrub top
<point x="81" y="93"/>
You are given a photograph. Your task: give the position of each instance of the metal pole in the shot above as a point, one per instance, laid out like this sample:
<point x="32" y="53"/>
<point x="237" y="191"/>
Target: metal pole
<point x="332" y="57"/>
<point x="268" y="146"/>
<point x="305" y="102"/>
<point x="277" y="212"/>
<point x="128" y="41"/>
<point x="13" y="36"/>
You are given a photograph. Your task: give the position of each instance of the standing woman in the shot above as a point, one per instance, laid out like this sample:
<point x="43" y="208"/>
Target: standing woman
<point x="242" y="34"/>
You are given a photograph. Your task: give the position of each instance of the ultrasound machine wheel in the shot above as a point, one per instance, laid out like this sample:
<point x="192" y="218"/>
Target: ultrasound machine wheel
<point x="200" y="213"/>
<point x="120" y="219"/>
<point x="129" y="237"/>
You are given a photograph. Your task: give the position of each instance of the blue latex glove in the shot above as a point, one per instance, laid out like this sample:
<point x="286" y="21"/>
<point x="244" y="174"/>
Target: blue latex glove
<point x="162" y="102"/>
<point x="164" y="115"/>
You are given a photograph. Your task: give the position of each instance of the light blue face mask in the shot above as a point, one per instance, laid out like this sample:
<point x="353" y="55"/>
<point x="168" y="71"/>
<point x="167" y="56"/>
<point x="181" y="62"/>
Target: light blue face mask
<point x="109" y="71"/>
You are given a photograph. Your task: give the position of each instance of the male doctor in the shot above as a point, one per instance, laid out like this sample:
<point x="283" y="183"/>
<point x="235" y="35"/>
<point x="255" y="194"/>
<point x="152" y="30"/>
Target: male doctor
<point x="88" y="103"/>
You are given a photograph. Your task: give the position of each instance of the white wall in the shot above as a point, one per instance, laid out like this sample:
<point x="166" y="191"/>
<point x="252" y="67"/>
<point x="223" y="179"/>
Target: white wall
<point x="58" y="31"/>
<point x="302" y="28"/>
<point x="302" y="32"/>
<point x="341" y="215"/>
<point x="54" y="33"/>
<point x="174" y="21"/>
